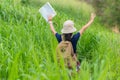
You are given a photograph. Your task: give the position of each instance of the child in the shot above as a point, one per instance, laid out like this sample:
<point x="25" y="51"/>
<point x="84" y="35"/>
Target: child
<point x="67" y="32"/>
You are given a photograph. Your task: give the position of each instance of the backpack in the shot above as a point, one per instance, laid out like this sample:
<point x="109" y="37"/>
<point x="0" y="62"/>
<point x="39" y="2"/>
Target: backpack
<point x="65" y="51"/>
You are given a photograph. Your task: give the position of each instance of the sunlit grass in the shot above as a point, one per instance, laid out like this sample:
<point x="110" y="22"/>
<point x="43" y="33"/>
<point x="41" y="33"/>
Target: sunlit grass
<point x="27" y="46"/>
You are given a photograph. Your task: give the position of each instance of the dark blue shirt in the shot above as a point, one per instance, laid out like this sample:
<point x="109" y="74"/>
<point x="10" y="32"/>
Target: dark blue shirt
<point x="74" y="40"/>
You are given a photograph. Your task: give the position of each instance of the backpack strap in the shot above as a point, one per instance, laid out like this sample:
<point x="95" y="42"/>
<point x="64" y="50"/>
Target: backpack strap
<point x="62" y="36"/>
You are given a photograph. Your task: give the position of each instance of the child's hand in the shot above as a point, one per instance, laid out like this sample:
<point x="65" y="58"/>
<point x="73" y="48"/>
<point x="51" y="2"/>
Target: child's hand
<point x="93" y="15"/>
<point x="50" y="18"/>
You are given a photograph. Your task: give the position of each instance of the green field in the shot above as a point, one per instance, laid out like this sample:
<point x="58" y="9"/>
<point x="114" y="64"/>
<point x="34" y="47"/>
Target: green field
<point x="27" y="46"/>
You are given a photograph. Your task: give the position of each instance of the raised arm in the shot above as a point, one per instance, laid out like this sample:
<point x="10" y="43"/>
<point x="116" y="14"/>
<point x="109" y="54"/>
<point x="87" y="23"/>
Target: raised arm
<point x="88" y="24"/>
<point x="51" y="25"/>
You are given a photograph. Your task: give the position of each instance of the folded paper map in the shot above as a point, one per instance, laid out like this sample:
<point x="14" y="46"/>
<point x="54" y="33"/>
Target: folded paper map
<point x="47" y="10"/>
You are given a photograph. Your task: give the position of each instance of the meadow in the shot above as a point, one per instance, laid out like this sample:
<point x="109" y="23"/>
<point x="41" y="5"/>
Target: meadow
<point x="28" y="48"/>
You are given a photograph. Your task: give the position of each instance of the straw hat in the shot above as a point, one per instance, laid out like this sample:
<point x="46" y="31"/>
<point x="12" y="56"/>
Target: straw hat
<point x="68" y="27"/>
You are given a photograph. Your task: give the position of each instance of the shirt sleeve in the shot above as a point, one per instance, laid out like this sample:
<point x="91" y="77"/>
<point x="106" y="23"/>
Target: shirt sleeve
<point x="76" y="36"/>
<point x="58" y="37"/>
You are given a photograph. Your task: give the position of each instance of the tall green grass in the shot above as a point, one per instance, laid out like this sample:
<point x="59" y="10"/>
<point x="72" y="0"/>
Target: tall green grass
<point x="27" y="46"/>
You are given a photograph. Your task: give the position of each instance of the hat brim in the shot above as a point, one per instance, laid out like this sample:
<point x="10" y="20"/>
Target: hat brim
<point x="68" y="30"/>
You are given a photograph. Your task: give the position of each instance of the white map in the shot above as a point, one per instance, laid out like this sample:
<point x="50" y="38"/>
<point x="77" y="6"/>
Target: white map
<point x="47" y="10"/>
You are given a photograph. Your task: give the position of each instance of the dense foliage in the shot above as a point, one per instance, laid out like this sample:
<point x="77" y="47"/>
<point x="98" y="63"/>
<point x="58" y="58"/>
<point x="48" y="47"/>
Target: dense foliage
<point x="27" y="46"/>
<point x="108" y="10"/>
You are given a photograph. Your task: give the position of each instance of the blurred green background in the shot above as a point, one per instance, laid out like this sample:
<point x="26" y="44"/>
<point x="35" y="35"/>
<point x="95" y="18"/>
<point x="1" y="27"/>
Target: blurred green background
<point x="27" y="46"/>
